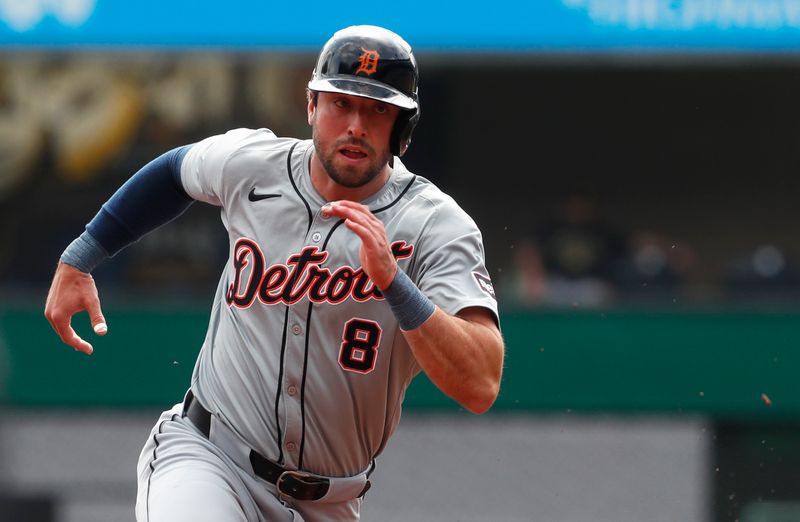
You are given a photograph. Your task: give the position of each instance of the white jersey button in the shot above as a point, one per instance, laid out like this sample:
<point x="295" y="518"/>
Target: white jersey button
<point x="296" y="329"/>
<point x="291" y="446"/>
<point x="316" y="236"/>
<point x="292" y="390"/>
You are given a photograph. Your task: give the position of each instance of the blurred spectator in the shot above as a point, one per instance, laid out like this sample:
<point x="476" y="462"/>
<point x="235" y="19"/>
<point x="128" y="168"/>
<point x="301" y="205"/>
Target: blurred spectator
<point x="577" y="244"/>
<point x="656" y="266"/>
<point x="764" y="274"/>
<point x="570" y="260"/>
<point x="527" y="285"/>
<point x="575" y="258"/>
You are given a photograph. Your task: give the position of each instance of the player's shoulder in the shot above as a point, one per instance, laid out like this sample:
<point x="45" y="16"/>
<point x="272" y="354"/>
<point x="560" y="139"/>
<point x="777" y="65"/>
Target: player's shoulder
<point x="222" y="164"/>
<point x="442" y="207"/>
<point x="238" y="153"/>
<point x="430" y="192"/>
<point x="243" y="140"/>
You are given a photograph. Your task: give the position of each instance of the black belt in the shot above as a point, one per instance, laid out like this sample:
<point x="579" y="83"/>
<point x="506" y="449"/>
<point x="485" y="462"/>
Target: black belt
<point x="295" y="484"/>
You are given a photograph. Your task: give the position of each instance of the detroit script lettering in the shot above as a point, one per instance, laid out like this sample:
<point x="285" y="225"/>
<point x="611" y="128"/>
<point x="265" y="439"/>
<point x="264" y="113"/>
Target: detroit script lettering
<point x="301" y="276"/>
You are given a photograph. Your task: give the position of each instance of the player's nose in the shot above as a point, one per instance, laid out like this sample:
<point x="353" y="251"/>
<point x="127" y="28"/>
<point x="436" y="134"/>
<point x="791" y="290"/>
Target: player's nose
<point x="356" y="124"/>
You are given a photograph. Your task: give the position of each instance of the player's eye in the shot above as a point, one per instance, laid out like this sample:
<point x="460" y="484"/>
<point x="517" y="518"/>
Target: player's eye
<point x="381" y="109"/>
<point x="340" y="102"/>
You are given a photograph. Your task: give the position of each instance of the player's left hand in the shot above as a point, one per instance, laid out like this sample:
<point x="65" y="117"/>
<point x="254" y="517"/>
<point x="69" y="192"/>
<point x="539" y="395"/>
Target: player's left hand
<point x="375" y="253"/>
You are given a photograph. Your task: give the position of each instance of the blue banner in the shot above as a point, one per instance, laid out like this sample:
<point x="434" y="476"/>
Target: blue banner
<point x="443" y="26"/>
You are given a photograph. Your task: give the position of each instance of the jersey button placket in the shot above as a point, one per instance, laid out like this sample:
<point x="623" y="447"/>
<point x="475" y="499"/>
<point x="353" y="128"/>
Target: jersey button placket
<point x="295" y="346"/>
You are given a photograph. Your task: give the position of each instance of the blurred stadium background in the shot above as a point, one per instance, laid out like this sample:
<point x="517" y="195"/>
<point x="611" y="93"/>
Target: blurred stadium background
<point x="632" y="164"/>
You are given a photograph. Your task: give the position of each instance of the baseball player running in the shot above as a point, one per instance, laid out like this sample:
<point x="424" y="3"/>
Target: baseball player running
<point x="347" y="276"/>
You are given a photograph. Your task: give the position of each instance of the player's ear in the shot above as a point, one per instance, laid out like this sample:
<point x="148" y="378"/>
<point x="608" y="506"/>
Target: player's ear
<point x="312" y="105"/>
<point x="311" y="111"/>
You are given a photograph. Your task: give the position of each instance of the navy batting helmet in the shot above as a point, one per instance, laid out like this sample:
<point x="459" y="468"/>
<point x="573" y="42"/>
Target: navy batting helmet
<point x="372" y="62"/>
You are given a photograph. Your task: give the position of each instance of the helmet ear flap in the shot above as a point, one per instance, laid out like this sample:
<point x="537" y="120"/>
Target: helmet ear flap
<point x="401" y="132"/>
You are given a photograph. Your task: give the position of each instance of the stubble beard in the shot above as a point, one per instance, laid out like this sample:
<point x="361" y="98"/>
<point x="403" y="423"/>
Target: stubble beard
<point x="348" y="177"/>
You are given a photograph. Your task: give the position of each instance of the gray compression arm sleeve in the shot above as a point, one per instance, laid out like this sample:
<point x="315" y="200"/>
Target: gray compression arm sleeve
<point x="410" y="306"/>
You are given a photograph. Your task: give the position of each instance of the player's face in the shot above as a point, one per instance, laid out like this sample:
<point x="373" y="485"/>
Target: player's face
<point x="351" y="136"/>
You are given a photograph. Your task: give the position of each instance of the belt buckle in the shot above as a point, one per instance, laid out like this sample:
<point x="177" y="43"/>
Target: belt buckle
<point x="301" y="486"/>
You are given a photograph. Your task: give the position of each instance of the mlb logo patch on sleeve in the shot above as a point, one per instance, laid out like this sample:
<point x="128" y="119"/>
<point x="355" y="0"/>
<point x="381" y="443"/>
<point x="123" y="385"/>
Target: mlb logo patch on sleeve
<point x="485" y="284"/>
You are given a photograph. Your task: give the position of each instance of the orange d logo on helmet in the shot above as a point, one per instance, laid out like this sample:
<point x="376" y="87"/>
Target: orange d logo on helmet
<point x="368" y="62"/>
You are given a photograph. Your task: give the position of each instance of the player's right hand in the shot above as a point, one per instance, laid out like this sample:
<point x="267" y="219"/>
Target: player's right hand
<point x="73" y="291"/>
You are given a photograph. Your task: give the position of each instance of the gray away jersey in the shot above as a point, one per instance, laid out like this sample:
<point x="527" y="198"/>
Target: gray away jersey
<point x="303" y="357"/>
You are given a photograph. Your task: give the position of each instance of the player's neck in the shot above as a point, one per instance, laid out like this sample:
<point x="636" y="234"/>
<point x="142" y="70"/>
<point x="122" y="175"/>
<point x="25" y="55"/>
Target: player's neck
<point x="332" y="191"/>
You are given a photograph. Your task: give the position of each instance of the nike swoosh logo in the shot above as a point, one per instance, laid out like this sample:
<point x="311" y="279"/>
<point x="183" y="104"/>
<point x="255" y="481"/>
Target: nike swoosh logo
<point x="252" y="196"/>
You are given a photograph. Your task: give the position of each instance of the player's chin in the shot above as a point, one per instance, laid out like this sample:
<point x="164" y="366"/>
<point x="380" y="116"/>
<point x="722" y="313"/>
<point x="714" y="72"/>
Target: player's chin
<point x="353" y="180"/>
<point x="353" y="177"/>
